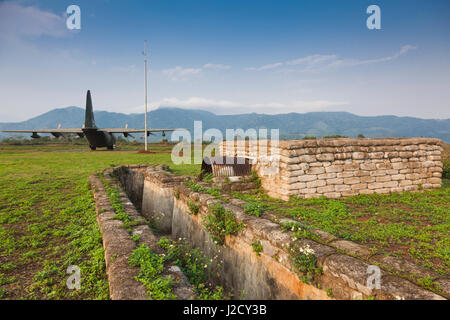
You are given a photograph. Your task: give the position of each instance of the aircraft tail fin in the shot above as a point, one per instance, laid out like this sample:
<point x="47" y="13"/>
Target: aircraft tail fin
<point x="89" y="121"/>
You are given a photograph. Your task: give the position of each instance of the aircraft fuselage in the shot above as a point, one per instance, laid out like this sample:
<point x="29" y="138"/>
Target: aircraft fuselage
<point x="98" y="138"/>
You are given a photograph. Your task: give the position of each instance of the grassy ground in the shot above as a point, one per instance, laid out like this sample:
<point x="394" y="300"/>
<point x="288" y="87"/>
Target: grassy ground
<point x="47" y="218"/>
<point x="413" y="226"/>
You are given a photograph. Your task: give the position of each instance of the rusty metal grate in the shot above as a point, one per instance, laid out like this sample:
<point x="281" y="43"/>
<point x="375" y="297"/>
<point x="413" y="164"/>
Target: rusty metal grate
<point x="227" y="166"/>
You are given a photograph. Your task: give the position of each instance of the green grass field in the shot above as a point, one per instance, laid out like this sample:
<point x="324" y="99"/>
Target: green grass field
<point x="411" y="226"/>
<point x="47" y="219"/>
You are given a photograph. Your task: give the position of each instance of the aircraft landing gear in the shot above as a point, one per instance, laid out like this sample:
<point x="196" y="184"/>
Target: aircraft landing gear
<point x="110" y="147"/>
<point x="93" y="148"/>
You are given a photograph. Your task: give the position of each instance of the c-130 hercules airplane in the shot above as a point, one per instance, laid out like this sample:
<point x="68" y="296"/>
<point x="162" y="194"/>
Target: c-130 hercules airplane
<point x="96" y="137"/>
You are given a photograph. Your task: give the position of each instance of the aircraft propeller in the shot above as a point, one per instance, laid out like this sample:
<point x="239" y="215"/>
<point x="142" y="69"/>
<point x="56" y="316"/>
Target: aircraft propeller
<point x="127" y="134"/>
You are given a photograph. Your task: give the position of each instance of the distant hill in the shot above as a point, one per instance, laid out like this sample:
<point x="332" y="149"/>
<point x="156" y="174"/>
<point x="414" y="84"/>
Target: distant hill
<point x="291" y="125"/>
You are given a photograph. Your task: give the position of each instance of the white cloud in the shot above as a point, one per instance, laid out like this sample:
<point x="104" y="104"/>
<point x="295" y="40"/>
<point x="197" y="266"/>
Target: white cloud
<point x="179" y="73"/>
<point x="312" y="60"/>
<point x="299" y="106"/>
<point x="17" y="21"/>
<point x="357" y="62"/>
<point x="194" y="103"/>
<point x="233" y="107"/>
<point x="271" y="105"/>
<point x="317" y="105"/>
<point x="216" y="66"/>
<point x="266" y="67"/>
<point x="318" y="62"/>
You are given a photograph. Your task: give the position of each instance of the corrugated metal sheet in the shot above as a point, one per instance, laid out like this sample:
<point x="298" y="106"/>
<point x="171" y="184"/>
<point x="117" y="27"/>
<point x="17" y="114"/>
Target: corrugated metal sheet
<point x="227" y="166"/>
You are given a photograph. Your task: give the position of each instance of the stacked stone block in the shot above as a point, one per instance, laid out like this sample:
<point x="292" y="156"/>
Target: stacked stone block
<point x="345" y="167"/>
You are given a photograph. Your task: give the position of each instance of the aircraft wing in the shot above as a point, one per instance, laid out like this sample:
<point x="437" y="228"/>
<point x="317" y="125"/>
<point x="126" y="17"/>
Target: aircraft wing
<point x="58" y="130"/>
<point x="80" y="130"/>
<point x="131" y="130"/>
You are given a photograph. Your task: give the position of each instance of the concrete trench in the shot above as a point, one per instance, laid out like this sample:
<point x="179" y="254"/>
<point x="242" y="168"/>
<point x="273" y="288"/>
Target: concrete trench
<point x="163" y="198"/>
<point x="119" y="246"/>
<point x="236" y="267"/>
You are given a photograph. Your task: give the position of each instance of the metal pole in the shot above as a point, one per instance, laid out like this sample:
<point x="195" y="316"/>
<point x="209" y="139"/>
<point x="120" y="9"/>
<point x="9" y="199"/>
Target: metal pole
<point x="145" y="65"/>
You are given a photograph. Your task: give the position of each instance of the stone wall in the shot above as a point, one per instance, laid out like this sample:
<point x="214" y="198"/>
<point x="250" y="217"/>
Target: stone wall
<point x="117" y="240"/>
<point x="152" y="194"/>
<point x="271" y="274"/>
<point x="344" y="167"/>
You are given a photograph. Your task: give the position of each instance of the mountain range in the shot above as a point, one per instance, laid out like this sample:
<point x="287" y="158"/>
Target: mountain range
<point x="291" y="125"/>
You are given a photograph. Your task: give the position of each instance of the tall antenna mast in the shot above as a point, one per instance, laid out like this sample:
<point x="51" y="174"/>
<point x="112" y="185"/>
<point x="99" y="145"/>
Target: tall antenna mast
<point x="145" y="65"/>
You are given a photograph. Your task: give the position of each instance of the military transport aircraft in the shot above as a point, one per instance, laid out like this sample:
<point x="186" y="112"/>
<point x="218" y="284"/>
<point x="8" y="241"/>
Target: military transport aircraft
<point x="96" y="137"/>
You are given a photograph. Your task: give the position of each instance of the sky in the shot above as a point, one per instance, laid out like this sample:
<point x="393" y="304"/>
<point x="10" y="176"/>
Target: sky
<point x="227" y="56"/>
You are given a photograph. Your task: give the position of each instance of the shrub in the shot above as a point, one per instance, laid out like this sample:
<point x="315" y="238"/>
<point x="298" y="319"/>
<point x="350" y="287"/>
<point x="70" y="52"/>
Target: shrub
<point x="221" y="222"/>
<point x="257" y="246"/>
<point x="205" y="293"/>
<point x="299" y="230"/>
<point x="194" y="265"/>
<point x="198" y="188"/>
<point x="255" y="179"/>
<point x="214" y="191"/>
<point x="191" y="261"/>
<point x="207" y="177"/>
<point x="193" y="207"/>
<point x="429" y="284"/>
<point x="255" y="208"/>
<point x="446" y="168"/>
<point x="136" y="237"/>
<point x="193" y="186"/>
<point x="150" y="274"/>
<point x="304" y="262"/>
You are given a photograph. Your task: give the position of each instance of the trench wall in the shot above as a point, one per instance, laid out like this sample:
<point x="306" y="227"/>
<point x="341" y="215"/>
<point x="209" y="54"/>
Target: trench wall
<point x="270" y="275"/>
<point x="343" y="167"/>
